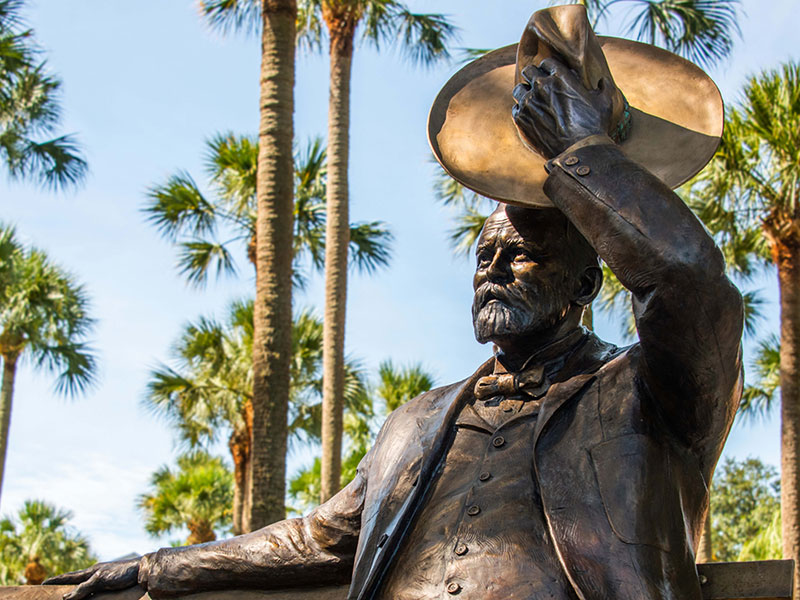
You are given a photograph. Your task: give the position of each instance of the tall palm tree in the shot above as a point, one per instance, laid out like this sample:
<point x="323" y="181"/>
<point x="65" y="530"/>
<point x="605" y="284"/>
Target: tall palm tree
<point x="424" y="38"/>
<point x="205" y="228"/>
<point x="29" y="109"/>
<point x="755" y="175"/>
<point x="38" y="542"/>
<point x="197" y="495"/>
<point x="44" y="316"/>
<point x="208" y="391"/>
<point x="272" y="345"/>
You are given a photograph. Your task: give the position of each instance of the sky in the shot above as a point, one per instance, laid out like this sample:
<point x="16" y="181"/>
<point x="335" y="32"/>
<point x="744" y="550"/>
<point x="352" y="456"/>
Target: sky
<point x="145" y="84"/>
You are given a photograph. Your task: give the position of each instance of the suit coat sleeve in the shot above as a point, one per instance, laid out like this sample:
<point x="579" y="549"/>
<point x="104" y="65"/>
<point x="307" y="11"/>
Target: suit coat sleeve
<point x="688" y="314"/>
<point x="318" y="549"/>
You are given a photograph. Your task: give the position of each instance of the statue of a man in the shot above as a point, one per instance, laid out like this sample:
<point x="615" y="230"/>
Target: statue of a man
<point x="565" y="467"/>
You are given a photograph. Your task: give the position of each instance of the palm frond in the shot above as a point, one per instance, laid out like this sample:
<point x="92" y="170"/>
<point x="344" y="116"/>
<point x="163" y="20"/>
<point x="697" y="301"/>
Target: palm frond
<point x="227" y="16"/>
<point x="197" y="258"/>
<point x="758" y="397"/>
<point x="370" y="245"/>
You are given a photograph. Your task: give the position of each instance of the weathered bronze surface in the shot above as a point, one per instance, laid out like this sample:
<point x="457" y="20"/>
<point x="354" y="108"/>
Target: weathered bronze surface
<point x="578" y="470"/>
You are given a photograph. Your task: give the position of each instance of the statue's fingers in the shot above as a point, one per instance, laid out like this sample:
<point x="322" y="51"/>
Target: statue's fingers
<point x="87" y="588"/>
<point x="520" y="91"/>
<point x="73" y="577"/>
<point x="529" y="73"/>
<point x="553" y="66"/>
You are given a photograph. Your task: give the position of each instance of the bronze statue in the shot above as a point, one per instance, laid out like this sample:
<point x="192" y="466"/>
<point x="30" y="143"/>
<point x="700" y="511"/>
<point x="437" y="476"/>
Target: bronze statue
<point x="564" y="467"/>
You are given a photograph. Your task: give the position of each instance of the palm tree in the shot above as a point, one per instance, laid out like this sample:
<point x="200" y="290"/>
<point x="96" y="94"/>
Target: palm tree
<point x="197" y="495"/>
<point x="424" y="38"/>
<point x="29" y="109"/>
<point x="43" y="314"/>
<point x="205" y="228"/>
<point x="755" y="175"/>
<point x="38" y="542"/>
<point x="208" y="392"/>
<point x="396" y="386"/>
<point x="272" y="345"/>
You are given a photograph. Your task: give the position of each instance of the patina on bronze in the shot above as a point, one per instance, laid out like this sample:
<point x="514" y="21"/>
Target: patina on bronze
<point x="564" y="467"/>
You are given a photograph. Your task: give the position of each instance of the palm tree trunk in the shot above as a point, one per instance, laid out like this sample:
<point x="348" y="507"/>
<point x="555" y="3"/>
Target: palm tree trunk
<point x="337" y="238"/>
<point x="6" y="395"/>
<point x="787" y="256"/>
<point x="272" y="343"/>
<point x="239" y="445"/>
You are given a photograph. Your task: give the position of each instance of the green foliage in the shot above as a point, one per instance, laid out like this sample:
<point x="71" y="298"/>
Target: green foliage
<point x="745" y="499"/>
<point x="398" y="385"/>
<point x="206" y="391"/>
<point x="29" y="109"/>
<point x="206" y="228"/>
<point x="758" y="398"/>
<point x="44" y="315"/>
<point x="197" y="495"/>
<point x="41" y="531"/>
<point x="766" y="544"/>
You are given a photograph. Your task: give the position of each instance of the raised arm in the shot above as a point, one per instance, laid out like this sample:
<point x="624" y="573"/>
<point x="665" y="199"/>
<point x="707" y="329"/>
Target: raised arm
<point x="316" y="550"/>
<point x="688" y="314"/>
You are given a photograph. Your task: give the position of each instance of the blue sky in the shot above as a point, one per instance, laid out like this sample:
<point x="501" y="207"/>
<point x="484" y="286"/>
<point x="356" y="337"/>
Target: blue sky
<point x="145" y="83"/>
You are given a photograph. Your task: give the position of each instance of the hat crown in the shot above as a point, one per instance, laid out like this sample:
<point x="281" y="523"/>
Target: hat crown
<point x="564" y="33"/>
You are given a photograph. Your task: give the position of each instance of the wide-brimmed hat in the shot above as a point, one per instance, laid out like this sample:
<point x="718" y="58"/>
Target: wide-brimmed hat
<point x="669" y="113"/>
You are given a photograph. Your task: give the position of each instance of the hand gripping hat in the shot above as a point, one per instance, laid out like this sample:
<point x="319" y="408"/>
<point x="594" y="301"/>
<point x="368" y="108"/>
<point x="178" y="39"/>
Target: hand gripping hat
<point x="668" y="112"/>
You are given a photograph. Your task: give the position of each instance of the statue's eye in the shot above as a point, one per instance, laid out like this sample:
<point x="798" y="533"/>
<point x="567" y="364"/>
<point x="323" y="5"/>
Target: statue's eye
<point x="484" y="258"/>
<point x="521" y="255"/>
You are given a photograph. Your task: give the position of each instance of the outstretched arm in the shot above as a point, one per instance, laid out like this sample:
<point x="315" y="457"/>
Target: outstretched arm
<point x="316" y="550"/>
<point x="688" y="314"/>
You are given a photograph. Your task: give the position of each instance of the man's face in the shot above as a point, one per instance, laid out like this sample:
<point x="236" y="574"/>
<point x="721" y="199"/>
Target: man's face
<point x="522" y="277"/>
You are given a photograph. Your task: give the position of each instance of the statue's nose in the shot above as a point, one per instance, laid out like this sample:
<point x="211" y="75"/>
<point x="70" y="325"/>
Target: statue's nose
<point x="499" y="269"/>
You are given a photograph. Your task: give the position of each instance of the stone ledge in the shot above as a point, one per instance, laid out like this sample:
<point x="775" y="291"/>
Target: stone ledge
<point x="761" y="580"/>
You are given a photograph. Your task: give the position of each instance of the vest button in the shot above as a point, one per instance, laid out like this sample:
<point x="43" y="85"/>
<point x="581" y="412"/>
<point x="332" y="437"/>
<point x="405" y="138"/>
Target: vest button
<point x="473" y="510"/>
<point x="485" y="476"/>
<point x="571" y="160"/>
<point x="453" y="588"/>
<point x="461" y="549"/>
<point x="583" y="171"/>
<point x="498" y="441"/>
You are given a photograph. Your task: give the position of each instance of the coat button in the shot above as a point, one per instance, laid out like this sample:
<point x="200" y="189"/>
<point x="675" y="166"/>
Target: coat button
<point x="572" y="160"/>
<point x="453" y="588"/>
<point x="461" y="549"/>
<point x="583" y="171"/>
<point x="485" y="476"/>
<point x="382" y="540"/>
<point x="473" y="510"/>
<point x="498" y="441"/>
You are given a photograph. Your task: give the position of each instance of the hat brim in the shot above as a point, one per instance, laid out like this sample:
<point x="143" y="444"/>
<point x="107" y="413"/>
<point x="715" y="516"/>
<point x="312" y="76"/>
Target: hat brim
<point x="677" y="120"/>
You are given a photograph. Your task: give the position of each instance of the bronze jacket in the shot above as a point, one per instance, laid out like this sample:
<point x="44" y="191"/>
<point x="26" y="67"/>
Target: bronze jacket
<point x="625" y="443"/>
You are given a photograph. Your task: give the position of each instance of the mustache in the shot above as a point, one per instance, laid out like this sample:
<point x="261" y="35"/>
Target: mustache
<point x="511" y="295"/>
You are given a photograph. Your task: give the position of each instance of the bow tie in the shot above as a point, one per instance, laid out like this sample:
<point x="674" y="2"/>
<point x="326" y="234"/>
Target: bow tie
<point x="530" y="382"/>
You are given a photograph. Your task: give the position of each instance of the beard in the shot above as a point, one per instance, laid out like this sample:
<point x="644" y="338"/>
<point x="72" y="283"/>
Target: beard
<point x="517" y="309"/>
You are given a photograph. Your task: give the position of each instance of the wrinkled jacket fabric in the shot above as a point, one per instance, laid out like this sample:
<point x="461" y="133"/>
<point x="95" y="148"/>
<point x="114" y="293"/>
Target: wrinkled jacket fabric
<point x="625" y="443"/>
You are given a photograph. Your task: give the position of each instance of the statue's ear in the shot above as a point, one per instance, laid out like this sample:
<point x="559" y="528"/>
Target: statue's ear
<point x="590" y="282"/>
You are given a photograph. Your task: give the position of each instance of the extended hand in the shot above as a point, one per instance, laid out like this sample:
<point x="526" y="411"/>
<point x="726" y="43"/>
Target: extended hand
<point x="554" y="109"/>
<point x="107" y="576"/>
